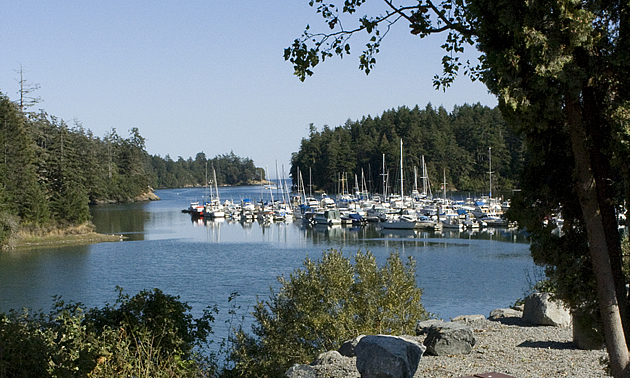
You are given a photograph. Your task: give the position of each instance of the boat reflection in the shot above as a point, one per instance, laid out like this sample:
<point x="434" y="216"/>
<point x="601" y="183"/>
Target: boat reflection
<point x="346" y="233"/>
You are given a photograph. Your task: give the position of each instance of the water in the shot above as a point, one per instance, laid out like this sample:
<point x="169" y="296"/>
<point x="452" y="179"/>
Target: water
<point x="204" y="262"/>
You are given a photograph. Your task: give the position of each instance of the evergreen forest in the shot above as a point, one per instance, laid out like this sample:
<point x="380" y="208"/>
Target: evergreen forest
<point x="457" y="148"/>
<point x="229" y="169"/>
<point x="51" y="172"/>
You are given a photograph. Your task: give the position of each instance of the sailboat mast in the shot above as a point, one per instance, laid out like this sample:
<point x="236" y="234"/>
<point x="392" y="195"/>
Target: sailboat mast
<point x="279" y="187"/>
<point x="444" y="186"/>
<point x="364" y="189"/>
<point x="490" y="171"/>
<point x="424" y="178"/>
<point x="262" y="185"/>
<point x="415" y="178"/>
<point x="215" y="182"/>
<point x="270" y="187"/>
<point x="206" y="185"/>
<point x="384" y="179"/>
<point x="302" y="182"/>
<point x="402" y="193"/>
<point x="310" y="183"/>
<point x="285" y="187"/>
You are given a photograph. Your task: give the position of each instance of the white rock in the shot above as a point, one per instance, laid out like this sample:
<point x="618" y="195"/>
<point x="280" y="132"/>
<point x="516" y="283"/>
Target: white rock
<point x="501" y="313"/>
<point x="541" y="310"/>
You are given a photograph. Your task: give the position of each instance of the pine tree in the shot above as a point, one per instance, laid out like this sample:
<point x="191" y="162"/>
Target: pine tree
<point x="24" y="195"/>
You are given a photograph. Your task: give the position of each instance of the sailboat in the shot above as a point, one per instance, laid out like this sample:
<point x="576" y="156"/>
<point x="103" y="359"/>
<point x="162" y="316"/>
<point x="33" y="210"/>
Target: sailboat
<point x="196" y="209"/>
<point x="408" y="218"/>
<point x="214" y="209"/>
<point x="490" y="212"/>
<point x="426" y="184"/>
<point x="448" y="217"/>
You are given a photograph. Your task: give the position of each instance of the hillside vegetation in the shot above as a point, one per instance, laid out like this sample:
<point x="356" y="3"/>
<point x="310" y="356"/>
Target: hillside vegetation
<point x="455" y="145"/>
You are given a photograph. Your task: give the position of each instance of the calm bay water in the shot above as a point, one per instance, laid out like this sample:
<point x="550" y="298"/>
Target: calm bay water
<point x="204" y="262"/>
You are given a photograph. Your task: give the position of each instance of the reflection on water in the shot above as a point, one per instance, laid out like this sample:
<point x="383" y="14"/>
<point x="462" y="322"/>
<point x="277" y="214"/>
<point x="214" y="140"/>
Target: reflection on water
<point x="319" y="233"/>
<point x="121" y="219"/>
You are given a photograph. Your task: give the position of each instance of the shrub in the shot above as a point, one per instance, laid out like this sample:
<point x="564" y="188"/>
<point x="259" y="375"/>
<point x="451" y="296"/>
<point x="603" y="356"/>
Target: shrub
<point x="164" y="316"/>
<point x="322" y="305"/>
<point x="149" y="335"/>
<point x="8" y="228"/>
<point x="23" y="347"/>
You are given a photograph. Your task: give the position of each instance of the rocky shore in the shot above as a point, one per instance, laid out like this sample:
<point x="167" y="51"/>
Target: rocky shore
<point x="507" y="345"/>
<point x="144" y="197"/>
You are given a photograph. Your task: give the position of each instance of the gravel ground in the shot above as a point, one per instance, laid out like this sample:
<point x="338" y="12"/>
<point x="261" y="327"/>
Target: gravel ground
<point x="511" y="347"/>
<point x="506" y="346"/>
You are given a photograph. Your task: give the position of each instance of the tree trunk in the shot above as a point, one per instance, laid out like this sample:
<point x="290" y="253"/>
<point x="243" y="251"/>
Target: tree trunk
<point x="598" y="246"/>
<point x="598" y="132"/>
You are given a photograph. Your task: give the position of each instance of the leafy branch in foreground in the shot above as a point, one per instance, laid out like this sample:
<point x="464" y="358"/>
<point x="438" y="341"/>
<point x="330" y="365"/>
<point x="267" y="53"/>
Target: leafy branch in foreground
<point x="424" y="18"/>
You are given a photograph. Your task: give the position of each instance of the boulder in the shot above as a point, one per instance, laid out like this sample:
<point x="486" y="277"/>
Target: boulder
<point x="502" y="313"/>
<point x="423" y="327"/>
<point x="301" y="371"/>
<point x="347" y="348"/>
<point x="541" y="310"/>
<point x="148" y="196"/>
<point x="468" y="318"/>
<point x="383" y="356"/>
<point x="449" y="339"/>
<point x="328" y="364"/>
<point x="327" y="358"/>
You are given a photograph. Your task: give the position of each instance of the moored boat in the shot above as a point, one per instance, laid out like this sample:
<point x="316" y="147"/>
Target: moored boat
<point x="195" y="209"/>
<point x="329" y="217"/>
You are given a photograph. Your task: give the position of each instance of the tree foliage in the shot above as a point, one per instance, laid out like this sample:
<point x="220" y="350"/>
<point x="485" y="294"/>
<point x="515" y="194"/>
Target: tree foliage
<point x="51" y="167"/>
<point x="50" y="172"/>
<point x="455" y="143"/>
<point x="568" y="94"/>
<point x="230" y="170"/>
<point x="324" y="304"/>
<point x="23" y="192"/>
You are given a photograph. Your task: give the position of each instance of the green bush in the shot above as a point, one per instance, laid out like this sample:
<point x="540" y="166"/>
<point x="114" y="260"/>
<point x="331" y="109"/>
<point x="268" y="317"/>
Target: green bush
<point x="8" y="228"/>
<point x="23" y="348"/>
<point x="322" y="305"/>
<point x="149" y="335"/>
<point x="159" y="314"/>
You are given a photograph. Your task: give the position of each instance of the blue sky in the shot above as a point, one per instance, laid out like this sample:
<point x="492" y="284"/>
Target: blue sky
<point x="208" y="75"/>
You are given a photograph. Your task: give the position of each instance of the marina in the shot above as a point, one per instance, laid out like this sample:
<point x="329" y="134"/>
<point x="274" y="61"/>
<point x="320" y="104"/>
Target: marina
<point x="204" y="260"/>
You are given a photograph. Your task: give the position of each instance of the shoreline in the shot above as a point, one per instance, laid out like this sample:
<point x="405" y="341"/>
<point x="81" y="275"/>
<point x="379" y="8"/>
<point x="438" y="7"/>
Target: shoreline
<point x="31" y="242"/>
<point x="83" y="234"/>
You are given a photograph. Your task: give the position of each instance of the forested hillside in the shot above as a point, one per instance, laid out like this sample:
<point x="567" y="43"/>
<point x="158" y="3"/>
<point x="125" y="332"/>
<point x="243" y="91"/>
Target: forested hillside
<point x="50" y="172"/>
<point x="229" y="168"/>
<point x="454" y="144"/>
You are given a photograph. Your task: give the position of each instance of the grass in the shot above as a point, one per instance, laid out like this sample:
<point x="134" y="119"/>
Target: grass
<point x="29" y="237"/>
